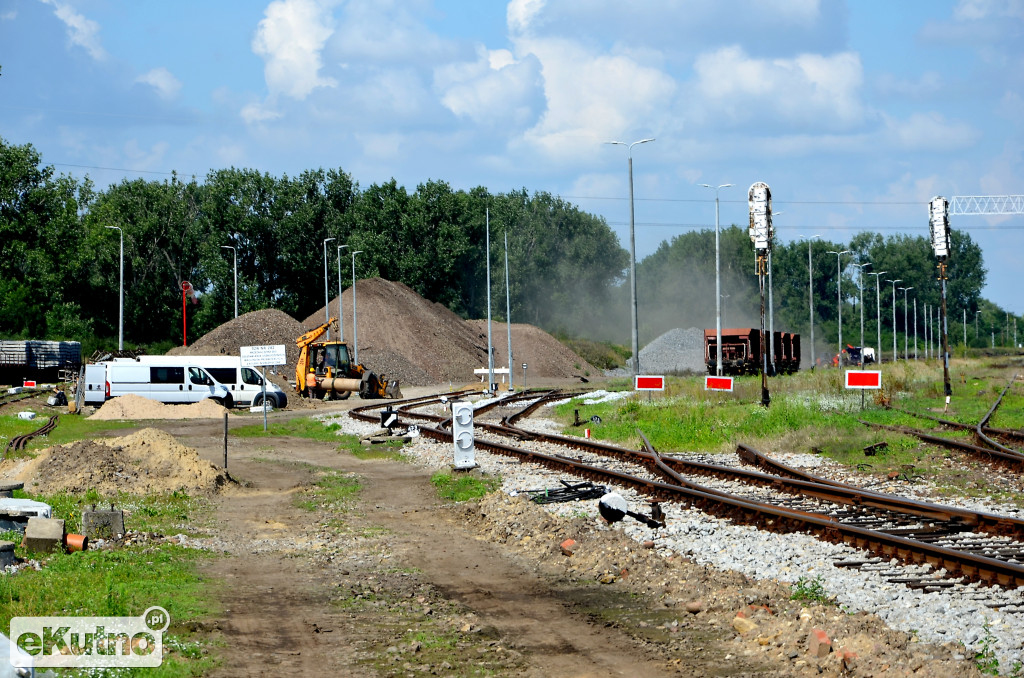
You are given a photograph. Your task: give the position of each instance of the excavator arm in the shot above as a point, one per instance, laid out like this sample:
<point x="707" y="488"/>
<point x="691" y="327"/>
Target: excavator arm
<point x="303" y="342"/>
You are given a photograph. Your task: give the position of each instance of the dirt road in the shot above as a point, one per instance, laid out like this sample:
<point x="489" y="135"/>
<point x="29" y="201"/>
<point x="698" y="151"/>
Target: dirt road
<point x="400" y="588"/>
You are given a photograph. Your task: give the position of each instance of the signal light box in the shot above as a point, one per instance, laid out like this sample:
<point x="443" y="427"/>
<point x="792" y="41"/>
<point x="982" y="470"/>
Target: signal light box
<point x="646" y="382"/>
<point x="864" y="379"/>
<point x="718" y="384"/>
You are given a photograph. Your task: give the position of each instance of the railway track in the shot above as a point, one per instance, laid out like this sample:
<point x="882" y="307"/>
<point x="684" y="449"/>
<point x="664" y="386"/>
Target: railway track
<point x="988" y="449"/>
<point x="19" y="442"/>
<point x="955" y="544"/>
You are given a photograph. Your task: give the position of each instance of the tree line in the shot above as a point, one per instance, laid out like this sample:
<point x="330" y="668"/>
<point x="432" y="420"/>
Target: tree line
<point x="59" y="269"/>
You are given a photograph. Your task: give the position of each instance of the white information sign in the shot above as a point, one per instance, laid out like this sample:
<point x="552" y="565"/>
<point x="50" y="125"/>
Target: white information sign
<point x="260" y="356"/>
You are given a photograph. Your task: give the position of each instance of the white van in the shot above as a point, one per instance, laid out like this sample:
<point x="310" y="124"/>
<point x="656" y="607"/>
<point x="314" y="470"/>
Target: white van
<point x="171" y="380"/>
<point x="245" y="383"/>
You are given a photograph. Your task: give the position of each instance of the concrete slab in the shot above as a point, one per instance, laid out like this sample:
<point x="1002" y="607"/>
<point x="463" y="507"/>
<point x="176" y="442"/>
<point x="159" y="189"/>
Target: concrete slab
<point x="14" y="513"/>
<point x="44" y="535"/>
<point x="103" y="524"/>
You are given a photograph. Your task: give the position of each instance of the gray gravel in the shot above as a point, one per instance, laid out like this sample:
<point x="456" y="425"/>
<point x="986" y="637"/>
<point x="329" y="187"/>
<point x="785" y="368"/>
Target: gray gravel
<point x="956" y="614"/>
<point x="678" y="351"/>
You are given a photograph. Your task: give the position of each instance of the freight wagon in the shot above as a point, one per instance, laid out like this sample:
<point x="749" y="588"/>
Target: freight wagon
<point x="741" y="351"/>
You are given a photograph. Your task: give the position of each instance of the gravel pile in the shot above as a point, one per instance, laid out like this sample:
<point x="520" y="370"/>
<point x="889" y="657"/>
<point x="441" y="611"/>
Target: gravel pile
<point x="678" y="351"/>
<point x="957" y="614"/>
<point x="257" y="328"/>
<point x="421" y="343"/>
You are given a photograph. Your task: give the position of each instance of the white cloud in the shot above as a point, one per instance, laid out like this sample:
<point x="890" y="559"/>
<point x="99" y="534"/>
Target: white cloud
<point x="81" y="31"/>
<point x="381" y="32"/>
<point x="593" y="96"/>
<point x="928" y="132"/>
<point x="494" y="90"/>
<point x="521" y="13"/>
<point x="161" y="79"/>
<point x="807" y="89"/>
<point x="259" y="112"/>
<point x="290" y="39"/>
<point x="973" y="10"/>
<point x="10" y="15"/>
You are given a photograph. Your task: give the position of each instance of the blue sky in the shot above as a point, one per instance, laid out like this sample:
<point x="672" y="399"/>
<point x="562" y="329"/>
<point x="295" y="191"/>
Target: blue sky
<point x="855" y="113"/>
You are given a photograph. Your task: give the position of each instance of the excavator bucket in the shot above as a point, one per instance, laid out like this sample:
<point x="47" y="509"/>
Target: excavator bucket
<point x="392" y="390"/>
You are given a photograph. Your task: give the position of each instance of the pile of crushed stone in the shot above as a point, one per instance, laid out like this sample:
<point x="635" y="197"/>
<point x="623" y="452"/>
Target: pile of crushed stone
<point x="136" y="407"/>
<point x="149" y="461"/>
<point x="266" y="327"/>
<point x="421" y="343"/>
<point x="678" y="351"/>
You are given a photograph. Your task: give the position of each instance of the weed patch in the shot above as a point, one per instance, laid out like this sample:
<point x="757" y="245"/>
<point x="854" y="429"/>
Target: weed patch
<point x="463" y="487"/>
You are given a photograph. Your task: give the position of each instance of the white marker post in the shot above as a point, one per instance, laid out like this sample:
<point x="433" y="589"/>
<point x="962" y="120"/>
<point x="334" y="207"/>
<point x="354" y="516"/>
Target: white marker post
<point x="261" y="356"/>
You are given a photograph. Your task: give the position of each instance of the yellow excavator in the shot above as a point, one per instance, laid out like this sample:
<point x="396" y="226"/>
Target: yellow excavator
<point x="326" y="371"/>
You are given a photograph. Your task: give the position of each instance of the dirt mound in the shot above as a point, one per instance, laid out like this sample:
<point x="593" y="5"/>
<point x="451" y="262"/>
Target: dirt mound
<point x="407" y="337"/>
<point x="544" y="355"/>
<point x="136" y="407"/>
<point x="148" y="461"/>
<point x="256" y="328"/>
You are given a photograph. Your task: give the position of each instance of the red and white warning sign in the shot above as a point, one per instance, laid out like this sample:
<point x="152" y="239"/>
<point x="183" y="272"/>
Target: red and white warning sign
<point x="718" y="384"/>
<point x="864" y="379"/>
<point x="646" y="382"/>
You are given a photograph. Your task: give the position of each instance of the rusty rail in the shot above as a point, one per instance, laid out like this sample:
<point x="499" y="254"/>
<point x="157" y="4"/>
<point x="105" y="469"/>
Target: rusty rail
<point x="19" y="442"/>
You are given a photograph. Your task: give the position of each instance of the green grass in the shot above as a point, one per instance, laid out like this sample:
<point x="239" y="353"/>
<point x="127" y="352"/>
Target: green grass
<point x="463" y="487"/>
<point x="333" y="490"/>
<point x="160" y="513"/>
<point x="299" y="427"/>
<point x="71" y="427"/>
<point x="121" y="582"/>
<point x="810" y="590"/>
<point x="315" y="429"/>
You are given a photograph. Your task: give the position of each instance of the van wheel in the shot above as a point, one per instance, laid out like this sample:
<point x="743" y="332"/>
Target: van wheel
<point x="227" y="402"/>
<point x="258" y="401"/>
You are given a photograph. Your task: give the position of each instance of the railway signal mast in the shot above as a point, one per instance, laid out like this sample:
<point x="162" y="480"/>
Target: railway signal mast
<point x="938" y="227"/>
<point x="759" y="199"/>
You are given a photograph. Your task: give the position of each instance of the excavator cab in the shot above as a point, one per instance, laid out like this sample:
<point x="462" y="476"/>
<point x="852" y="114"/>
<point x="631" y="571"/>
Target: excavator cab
<point x="330" y="360"/>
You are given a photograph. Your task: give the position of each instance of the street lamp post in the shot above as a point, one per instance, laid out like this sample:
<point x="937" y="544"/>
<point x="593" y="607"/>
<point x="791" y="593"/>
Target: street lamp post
<point x="327" y="296"/>
<point x="341" y="317"/>
<point x="878" y="313"/>
<point x="860" y="281"/>
<point x="895" y="356"/>
<point x="635" y="329"/>
<point x="355" y="329"/>
<point x="235" y="253"/>
<point x="906" y="334"/>
<point x="718" y="283"/>
<point x="976" y="324"/>
<point x="120" y="294"/>
<point x="839" y="298"/>
<point x="810" y="292"/>
<point x="915" y="328"/>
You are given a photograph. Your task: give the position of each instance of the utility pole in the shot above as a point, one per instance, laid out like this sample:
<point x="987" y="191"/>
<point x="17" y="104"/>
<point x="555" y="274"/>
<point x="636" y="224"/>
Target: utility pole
<point x="938" y="222"/>
<point x="839" y="298"/>
<point x="895" y="356"/>
<point x="759" y="200"/>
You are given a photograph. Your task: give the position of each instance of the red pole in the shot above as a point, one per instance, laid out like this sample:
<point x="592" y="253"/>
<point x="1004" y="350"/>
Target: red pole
<point x="184" y="322"/>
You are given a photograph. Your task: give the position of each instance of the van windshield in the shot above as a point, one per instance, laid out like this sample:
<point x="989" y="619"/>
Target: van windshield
<point x="251" y="376"/>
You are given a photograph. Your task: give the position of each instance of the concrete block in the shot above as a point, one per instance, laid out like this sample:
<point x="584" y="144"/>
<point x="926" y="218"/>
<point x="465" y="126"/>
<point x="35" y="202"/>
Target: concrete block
<point x="15" y="513"/>
<point x="818" y="643"/>
<point x="103" y="524"/>
<point x="44" y="535"/>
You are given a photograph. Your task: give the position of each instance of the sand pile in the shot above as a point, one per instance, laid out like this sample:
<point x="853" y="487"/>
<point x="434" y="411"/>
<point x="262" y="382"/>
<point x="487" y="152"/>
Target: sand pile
<point x="406" y="337"/>
<point x="256" y="328"/>
<point x="136" y="407"/>
<point x="148" y="461"/>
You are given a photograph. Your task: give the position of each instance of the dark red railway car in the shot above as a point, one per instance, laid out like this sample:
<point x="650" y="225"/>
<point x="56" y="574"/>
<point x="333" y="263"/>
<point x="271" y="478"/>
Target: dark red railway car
<point x="741" y="351"/>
